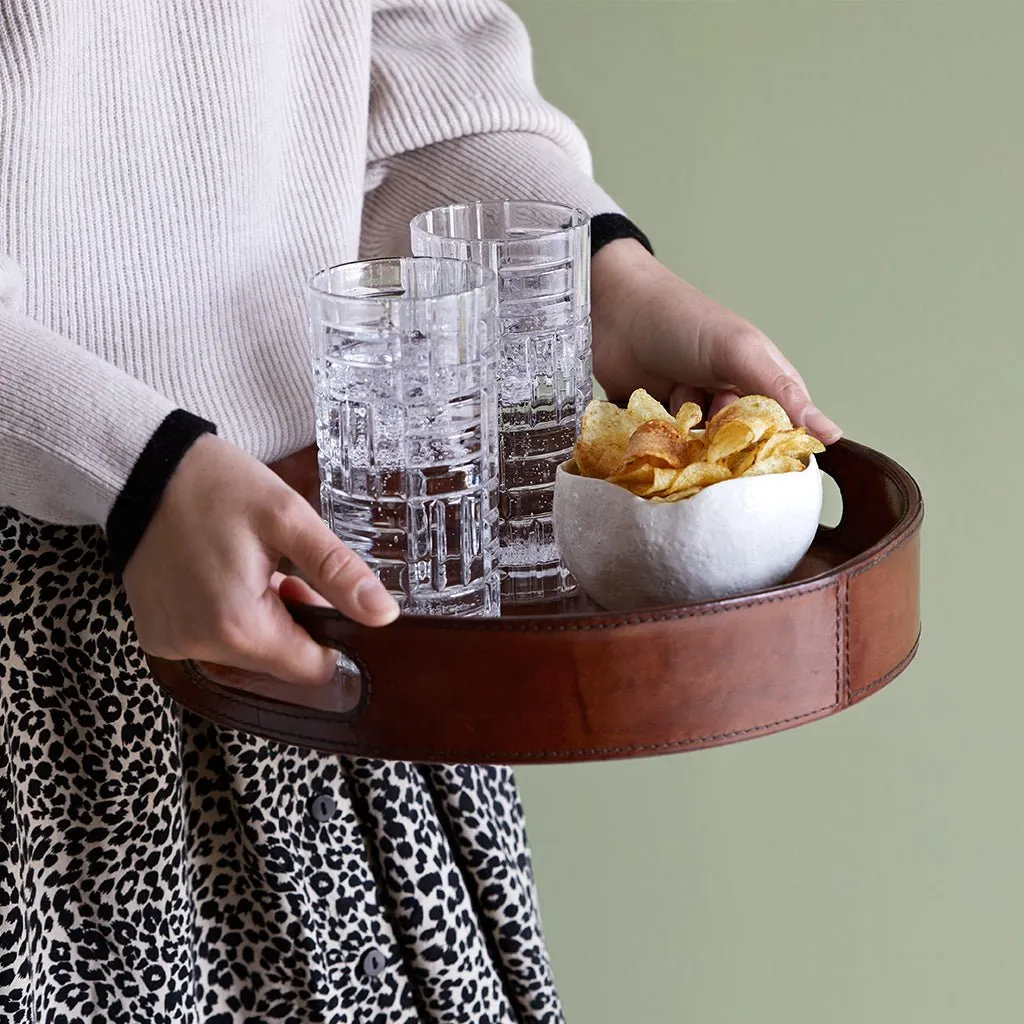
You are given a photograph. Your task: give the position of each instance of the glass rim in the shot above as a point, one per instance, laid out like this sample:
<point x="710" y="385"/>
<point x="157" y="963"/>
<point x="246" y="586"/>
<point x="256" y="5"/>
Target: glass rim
<point x="580" y="217"/>
<point x="478" y="279"/>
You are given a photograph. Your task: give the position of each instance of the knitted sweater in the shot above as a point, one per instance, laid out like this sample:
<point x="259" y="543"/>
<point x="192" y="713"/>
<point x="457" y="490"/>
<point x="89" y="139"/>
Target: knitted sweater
<point x="171" y="172"/>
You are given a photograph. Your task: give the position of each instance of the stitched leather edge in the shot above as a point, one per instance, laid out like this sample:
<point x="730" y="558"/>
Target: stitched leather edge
<point x="842" y="641"/>
<point x="494" y="758"/>
<point x="579" y="752"/>
<point x="892" y="673"/>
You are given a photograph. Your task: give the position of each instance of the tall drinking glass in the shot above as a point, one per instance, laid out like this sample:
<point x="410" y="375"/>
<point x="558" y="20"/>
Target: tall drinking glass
<point x="405" y="382"/>
<point x="540" y="253"/>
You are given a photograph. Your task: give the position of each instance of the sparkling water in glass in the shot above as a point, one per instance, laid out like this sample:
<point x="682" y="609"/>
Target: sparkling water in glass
<point x="541" y="255"/>
<point x="404" y="366"/>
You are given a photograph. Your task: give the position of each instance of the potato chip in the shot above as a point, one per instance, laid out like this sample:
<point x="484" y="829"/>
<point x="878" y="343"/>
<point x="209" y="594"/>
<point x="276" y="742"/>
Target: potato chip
<point x="698" y="474"/>
<point x="685" y="483"/>
<point x="678" y="495"/>
<point x="795" y="443"/>
<point x="739" y="463"/>
<point x="688" y="416"/>
<point x="664" y="481"/>
<point x="697" y="450"/>
<point x="604" y="437"/>
<point x="645" y="480"/>
<point x="751" y="407"/>
<point x="634" y="478"/>
<point x="654" y="455"/>
<point x="763" y="416"/>
<point x="775" y="464"/>
<point x="659" y="443"/>
<point x="730" y="438"/>
<point x="642" y="407"/>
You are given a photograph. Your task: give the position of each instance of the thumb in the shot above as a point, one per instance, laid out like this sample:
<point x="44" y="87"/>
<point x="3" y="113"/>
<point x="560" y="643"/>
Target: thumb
<point x="332" y="568"/>
<point x="753" y="365"/>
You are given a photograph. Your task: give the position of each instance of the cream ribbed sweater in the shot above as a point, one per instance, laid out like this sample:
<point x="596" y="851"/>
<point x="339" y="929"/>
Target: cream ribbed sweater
<point x="170" y="174"/>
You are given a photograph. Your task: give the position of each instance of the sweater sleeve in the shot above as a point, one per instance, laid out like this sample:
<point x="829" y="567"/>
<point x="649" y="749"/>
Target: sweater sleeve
<point x="455" y="115"/>
<point x="72" y="426"/>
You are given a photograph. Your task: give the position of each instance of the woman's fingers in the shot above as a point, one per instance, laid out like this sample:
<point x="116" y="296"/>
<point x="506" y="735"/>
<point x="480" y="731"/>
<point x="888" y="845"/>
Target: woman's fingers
<point x="753" y="365"/>
<point x="291" y="588"/>
<point x="720" y="400"/>
<point x="289" y="652"/>
<point x="683" y="393"/>
<point x="275" y="644"/>
<point x="710" y="401"/>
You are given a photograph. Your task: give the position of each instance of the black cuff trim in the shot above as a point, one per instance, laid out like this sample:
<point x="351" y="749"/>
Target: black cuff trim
<point x="137" y="503"/>
<point x="607" y="227"/>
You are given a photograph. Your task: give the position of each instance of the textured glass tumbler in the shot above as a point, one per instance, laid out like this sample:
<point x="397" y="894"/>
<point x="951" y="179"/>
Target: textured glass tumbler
<point x="541" y="255"/>
<point x="404" y="366"/>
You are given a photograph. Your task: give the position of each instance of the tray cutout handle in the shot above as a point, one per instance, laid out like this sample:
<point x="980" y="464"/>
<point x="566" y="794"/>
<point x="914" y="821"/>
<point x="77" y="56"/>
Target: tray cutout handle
<point x="832" y="502"/>
<point x="881" y="498"/>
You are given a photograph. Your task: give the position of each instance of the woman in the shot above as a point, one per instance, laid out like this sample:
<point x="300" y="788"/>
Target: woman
<point x="171" y="174"/>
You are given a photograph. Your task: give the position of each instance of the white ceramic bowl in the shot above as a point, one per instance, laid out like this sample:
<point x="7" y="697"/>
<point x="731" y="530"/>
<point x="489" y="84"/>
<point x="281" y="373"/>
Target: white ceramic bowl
<point x="731" y="538"/>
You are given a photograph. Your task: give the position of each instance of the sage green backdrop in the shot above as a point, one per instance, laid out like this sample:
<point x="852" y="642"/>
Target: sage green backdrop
<point x="848" y="176"/>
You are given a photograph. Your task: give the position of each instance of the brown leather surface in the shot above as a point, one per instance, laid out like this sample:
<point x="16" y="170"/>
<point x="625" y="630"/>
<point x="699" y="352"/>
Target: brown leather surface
<point x="574" y="683"/>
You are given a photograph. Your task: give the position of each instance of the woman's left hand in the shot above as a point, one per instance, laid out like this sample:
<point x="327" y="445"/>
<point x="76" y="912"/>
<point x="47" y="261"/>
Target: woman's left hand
<point x="653" y="330"/>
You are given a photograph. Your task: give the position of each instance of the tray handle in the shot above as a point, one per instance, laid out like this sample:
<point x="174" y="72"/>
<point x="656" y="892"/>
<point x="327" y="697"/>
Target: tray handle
<point x="882" y="498"/>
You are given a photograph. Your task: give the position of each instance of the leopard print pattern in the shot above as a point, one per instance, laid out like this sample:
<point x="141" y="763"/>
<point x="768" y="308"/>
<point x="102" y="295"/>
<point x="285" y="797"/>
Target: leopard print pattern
<point x="157" y="868"/>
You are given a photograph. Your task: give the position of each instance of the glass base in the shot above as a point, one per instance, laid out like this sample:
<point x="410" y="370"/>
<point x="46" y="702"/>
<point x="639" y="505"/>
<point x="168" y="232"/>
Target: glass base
<point x="536" y="585"/>
<point x="479" y="601"/>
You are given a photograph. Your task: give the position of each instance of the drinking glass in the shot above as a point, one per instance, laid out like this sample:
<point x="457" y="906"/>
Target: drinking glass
<point x="540" y="253"/>
<point x="404" y="368"/>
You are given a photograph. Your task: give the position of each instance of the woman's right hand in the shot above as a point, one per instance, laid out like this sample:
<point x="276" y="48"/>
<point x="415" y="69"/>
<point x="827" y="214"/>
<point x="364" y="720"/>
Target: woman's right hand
<point x="203" y="584"/>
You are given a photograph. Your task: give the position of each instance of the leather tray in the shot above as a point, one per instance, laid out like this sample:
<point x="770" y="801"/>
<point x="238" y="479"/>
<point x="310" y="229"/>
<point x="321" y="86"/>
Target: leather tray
<point x="574" y="683"/>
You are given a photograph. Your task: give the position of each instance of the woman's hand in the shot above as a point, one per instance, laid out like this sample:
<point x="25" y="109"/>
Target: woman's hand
<point x="203" y="582"/>
<point x="653" y="330"/>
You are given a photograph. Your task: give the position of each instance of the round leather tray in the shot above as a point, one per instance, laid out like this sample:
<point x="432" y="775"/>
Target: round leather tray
<point x="573" y="683"/>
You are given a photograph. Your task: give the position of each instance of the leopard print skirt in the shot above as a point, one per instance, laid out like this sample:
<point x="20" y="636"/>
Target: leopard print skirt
<point x="157" y="868"/>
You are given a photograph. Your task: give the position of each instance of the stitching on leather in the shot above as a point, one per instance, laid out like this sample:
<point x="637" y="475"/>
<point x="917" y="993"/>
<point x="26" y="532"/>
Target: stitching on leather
<point x="671" y="745"/>
<point x="847" y="676"/>
<point x="524" y="755"/>
<point x="894" y="671"/>
<point x="840" y="679"/>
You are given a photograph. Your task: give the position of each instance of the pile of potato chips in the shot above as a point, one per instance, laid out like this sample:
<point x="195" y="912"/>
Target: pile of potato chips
<point x="659" y="456"/>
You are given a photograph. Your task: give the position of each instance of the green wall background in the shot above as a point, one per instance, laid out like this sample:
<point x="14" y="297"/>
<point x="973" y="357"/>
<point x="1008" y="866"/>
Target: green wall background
<point x="849" y="176"/>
